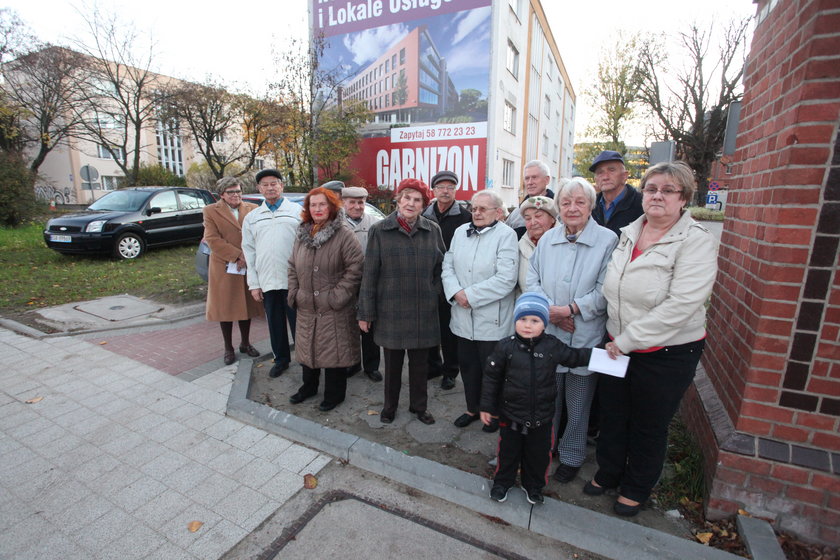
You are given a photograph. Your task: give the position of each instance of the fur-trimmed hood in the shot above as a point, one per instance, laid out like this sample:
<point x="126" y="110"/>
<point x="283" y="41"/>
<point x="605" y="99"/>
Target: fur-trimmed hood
<point x="324" y="234"/>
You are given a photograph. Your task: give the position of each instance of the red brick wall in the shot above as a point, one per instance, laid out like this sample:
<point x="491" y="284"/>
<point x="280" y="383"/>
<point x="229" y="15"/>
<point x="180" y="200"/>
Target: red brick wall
<point x="773" y="356"/>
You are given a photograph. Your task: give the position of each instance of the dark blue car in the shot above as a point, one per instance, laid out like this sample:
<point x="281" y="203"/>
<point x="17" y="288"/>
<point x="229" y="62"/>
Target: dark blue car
<point x="128" y="221"/>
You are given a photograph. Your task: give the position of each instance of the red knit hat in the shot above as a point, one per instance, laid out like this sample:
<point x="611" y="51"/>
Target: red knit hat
<point x="417" y="185"/>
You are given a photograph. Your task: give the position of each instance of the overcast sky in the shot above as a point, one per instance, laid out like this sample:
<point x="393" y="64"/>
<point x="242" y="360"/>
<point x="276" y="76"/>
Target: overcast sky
<point x="236" y="43"/>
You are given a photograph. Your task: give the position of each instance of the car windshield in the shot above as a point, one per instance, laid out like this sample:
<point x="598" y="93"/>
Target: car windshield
<point x="120" y="201"/>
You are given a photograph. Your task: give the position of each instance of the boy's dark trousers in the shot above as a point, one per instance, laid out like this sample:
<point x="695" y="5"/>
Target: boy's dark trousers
<point x="532" y="450"/>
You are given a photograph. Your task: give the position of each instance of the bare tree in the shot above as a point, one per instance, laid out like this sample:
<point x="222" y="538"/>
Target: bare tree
<point x="123" y="94"/>
<point x="47" y="86"/>
<point x="212" y="116"/>
<point x="615" y="91"/>
<point x="691" y="105"/>
<point x="311" y="105"/>
<point x="15" y="36"/>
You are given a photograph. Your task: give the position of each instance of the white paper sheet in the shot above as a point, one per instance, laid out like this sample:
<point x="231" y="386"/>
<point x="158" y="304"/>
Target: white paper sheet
<point x="601" y="362"/>
<point x="231" y="269"/>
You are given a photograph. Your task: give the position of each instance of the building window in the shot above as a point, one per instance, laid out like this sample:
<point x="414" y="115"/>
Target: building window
<point x="509" y="118"/>
<point x="170" y="155"/>
<point x="427" y="96"/>
<point x="219" y="137"/>
<point x="259" y="164"/>
<point x="545" y="144"/>
<point x="402" y="56"/>
<point x="548" y="106"/>
<point x="387" y="65"/>
<point x="394" y="62"/>
<point x="116" y="152"/>
<point x="507" y="173"/>
<point x="512" y="60"/>
<point x="110" y="183"/>
<point x="394" y="99"/>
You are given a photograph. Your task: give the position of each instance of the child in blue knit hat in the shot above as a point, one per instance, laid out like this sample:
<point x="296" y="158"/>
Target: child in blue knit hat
<point x="519" y="389"/>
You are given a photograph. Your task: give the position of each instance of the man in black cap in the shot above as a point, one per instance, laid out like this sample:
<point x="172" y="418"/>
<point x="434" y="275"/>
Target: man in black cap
<point x="268" y="235"/>
<point x="617" y="203"/>
<point x="448" y="214"/>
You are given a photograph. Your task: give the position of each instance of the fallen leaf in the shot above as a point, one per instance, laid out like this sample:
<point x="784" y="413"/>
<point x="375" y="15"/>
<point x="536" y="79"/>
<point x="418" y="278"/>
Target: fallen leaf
<point x="744" y="512"/>
<point x="194" y="526"/>
<point x="704" y="537"/>
<point x="372" y="412"/>
<point x="310" y="482"/>
<point x="103" y="343"/>
<point x="33" y="400"/>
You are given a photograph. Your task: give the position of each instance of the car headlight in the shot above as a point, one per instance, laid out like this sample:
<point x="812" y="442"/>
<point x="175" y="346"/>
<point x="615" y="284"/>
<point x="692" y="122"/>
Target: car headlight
<point x="95" y="226"/>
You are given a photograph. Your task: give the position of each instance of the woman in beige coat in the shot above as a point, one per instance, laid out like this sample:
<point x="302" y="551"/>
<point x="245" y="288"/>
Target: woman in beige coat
<point x="325" y="271"/>
<point x="228" y="298"/>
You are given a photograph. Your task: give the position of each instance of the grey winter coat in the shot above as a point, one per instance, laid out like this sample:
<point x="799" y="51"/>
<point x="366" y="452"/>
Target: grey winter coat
<point x="485" y="265"/>
<point x="324" y="275"/>
<point x="401" y="283"/>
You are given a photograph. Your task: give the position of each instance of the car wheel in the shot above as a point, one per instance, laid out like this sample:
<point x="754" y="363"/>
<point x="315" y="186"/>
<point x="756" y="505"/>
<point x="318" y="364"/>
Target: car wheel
<point x="129" y="246"/>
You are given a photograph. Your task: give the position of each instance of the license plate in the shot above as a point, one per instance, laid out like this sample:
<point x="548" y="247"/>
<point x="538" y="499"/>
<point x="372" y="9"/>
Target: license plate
<point x="61" y="238"/>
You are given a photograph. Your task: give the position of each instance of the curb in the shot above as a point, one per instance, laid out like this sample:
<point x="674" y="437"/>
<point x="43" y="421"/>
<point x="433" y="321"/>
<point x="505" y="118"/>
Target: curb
<point x="591" y="531"/>
<point x="32" y="332"/>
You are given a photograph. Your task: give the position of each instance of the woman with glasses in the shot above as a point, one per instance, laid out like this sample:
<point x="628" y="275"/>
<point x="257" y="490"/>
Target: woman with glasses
<point x="228" y="298"/>
<point x="656" y="286"/>
<point x="479" y="275"/>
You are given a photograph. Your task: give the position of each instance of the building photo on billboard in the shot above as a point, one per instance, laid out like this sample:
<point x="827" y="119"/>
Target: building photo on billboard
<point x="422" y="70"/>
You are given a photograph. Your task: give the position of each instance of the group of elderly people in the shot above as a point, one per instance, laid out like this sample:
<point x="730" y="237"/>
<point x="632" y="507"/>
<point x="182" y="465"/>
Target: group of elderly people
<point x="642" y="293"/>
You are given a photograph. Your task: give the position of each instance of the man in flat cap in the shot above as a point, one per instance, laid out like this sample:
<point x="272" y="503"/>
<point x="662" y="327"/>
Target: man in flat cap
<point x="448" y="214"/>
<point x="617" y="203"/>
<point x="268" y="235"/>
<point x="360" y="222"/>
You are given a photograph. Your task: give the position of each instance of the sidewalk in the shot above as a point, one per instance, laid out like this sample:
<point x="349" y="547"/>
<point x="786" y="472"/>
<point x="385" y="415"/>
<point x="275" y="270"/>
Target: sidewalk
<point x="117" y="458"/>
<point x="126" y="442"/>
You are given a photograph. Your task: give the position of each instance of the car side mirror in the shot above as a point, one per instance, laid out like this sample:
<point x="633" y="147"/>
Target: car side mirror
<point x="153" y="210"/>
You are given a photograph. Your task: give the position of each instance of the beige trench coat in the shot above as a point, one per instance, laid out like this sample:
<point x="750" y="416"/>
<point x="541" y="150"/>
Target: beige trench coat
<point x="228" y="297"/>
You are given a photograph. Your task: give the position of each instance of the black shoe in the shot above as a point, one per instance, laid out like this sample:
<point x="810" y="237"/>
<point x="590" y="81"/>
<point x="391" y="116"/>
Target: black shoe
<point x="374" y="376"/>
<point x="249" y="350"/>
<point x="465" y="420"/>
<point x="625" y="510"/>
<point x="499" y="493"/>
<point x="326" y="406"/>
<point x="386" y="418"/>
<point x="493" y="426"/>
<point x="278" y="368"/>
<point x="534" y="497"/>
<point x="299" y="397"/>
<point x="591" y="490"/>
<point x="230" y="357"/>
<point x="447" y="383"/>
<point x="565" y="473"/>
<point x="426" y="417"/>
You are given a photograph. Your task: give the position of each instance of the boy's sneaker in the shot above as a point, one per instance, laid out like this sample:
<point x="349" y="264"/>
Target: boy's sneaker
<point x="534" y="496"/>
<point x="499" y="493"/>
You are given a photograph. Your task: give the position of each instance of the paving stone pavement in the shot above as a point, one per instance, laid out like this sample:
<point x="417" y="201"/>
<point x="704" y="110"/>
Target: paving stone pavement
<point x="117" y="457"/>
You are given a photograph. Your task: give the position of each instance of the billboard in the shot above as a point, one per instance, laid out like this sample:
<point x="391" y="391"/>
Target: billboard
<point x="422" y="68"/>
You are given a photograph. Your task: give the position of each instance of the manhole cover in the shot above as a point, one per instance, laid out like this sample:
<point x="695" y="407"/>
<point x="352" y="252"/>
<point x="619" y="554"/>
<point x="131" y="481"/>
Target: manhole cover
<point x="118" y="308"/>
<point x="369" y="530"/>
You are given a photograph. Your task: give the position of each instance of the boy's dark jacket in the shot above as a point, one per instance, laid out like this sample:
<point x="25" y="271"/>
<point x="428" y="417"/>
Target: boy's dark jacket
<point x="519" y="381"/>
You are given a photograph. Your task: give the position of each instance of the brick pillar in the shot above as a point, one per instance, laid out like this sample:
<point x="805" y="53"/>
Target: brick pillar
<point x="766" y="403"/>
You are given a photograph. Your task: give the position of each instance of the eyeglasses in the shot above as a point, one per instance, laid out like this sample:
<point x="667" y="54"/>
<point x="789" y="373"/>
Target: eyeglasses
<point x="666" y="191"/>
<point x="482" y="209"/>
<point x="234" y="193"/>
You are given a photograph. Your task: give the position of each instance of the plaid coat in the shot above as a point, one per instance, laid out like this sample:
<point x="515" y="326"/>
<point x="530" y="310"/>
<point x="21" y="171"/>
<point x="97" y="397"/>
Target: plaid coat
<point x="401" y="284"/>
